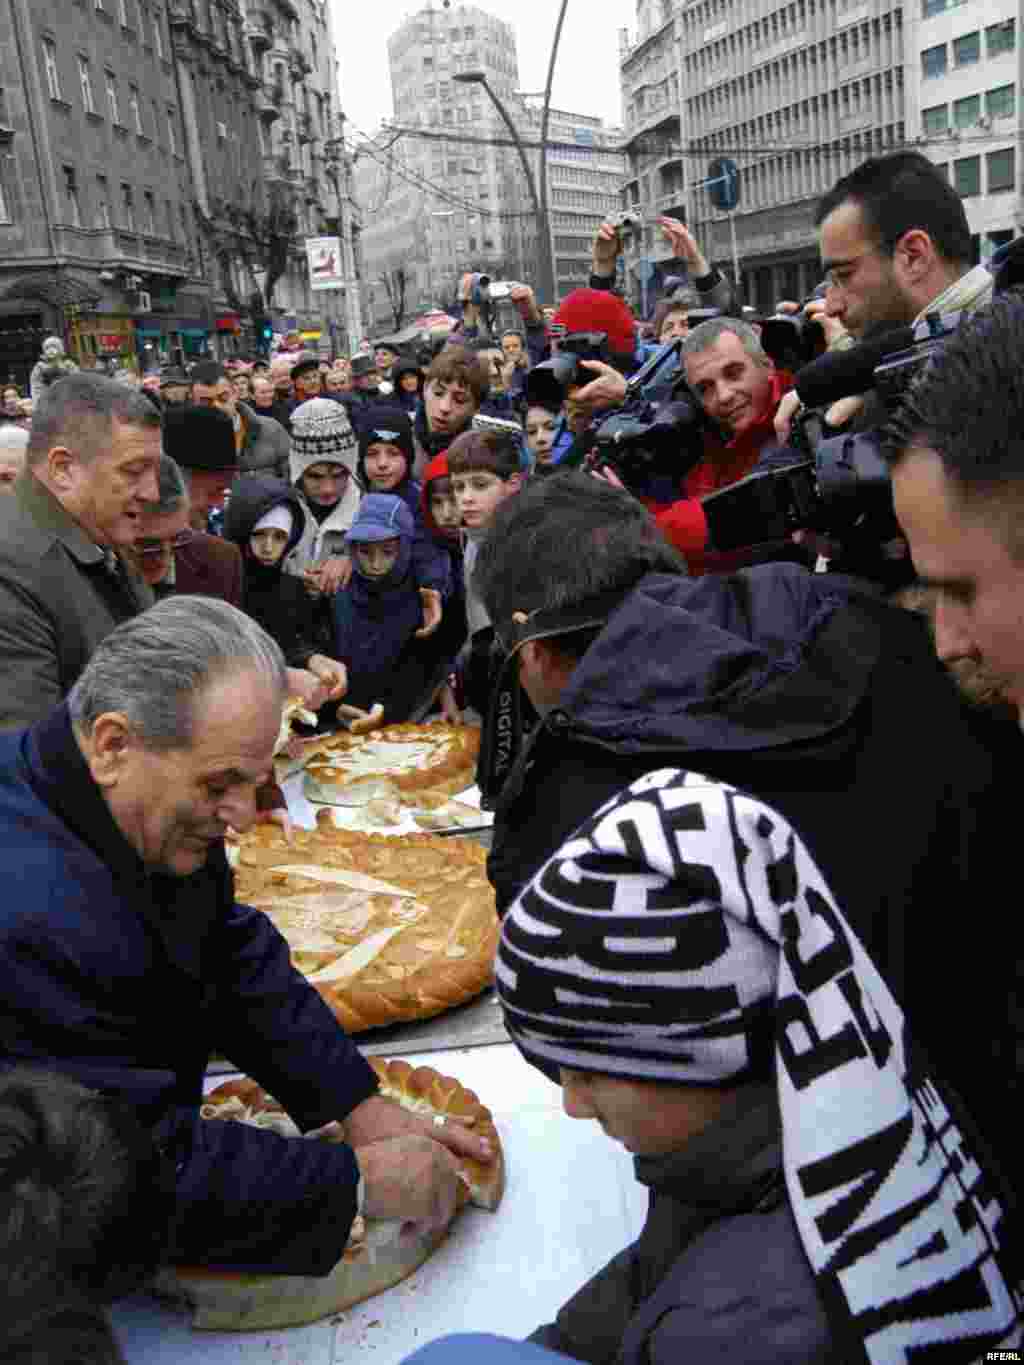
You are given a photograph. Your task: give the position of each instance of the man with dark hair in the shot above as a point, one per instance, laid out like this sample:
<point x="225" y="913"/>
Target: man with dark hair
<point x="261" y="442"/>
<point x="817" y="697"/>
<point x="895" y="244"/>
<point x="958" y="484"/>
<point x="92" y="463"/>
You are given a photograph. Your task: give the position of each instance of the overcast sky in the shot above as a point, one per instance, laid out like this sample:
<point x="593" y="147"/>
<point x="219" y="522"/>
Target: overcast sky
<point x="586" y="76"/>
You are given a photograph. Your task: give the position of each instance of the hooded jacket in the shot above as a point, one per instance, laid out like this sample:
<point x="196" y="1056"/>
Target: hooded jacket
<point x="718" y="1270"/>
<point x="453" y="631"/>
<point x="124" y="978"/>
<point x="814" y="695"/>
<point x="265" y="444"/>
<point x="325" y="539"/>
<point x="375" y="623"/>
<point x="431" y="566"/>
<point x="277" y="600"/>
<point x="406" y="400"/>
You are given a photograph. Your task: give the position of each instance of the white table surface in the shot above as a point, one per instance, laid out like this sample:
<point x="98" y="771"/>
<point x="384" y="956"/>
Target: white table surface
<point x="571" y="1202"/>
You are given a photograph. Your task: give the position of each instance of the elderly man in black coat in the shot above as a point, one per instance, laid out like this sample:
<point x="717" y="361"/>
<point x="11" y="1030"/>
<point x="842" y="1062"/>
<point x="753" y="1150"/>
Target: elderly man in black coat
<point x="126" y="960"/>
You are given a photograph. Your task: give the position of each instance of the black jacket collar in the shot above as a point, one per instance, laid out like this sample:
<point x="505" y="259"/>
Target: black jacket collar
<point x="62" y="779"/>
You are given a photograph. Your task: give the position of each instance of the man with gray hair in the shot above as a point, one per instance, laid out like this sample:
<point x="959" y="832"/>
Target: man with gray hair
<point x="92" y="462"/>
<point x="737" y="385"/>
<point x="13" y="443"/>
<point x="126" y="960"/>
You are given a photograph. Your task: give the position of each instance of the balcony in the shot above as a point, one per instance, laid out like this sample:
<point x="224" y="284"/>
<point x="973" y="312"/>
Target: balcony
<point x="268" y="106"/>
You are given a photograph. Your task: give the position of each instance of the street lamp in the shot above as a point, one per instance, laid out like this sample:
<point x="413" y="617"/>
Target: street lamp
<point x="545" y="273"/>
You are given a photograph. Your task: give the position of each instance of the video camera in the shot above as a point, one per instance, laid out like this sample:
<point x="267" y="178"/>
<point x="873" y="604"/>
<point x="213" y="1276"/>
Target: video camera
<point x="642" y="443"/>
<point x="549" y="382"/>
<point x="841" y="486"/>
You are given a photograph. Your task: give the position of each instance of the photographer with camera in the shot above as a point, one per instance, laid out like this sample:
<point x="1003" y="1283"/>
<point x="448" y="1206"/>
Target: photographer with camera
<point x="895" y="246"/>
<point x="806" y="690"/>
<point x="733" y="392"/>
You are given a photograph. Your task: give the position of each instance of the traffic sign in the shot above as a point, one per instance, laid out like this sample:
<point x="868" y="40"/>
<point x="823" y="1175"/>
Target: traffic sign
<point x="723" y="183"/>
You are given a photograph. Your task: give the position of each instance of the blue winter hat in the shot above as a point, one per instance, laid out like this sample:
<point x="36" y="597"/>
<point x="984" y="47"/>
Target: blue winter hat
<point x="381" y="516"/>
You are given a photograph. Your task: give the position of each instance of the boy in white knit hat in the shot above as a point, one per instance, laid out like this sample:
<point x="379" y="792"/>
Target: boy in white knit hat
<point x="323" y="470"/>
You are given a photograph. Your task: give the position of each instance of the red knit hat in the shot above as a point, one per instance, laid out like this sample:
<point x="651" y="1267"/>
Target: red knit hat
<point x="598" y="310"/>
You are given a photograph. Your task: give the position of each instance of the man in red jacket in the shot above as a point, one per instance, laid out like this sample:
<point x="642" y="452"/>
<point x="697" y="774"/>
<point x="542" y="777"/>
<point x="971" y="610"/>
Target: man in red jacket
<point x="739" y="388"/>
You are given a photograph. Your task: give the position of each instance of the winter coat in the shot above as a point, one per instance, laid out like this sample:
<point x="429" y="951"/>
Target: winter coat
<point x="126" y="979"/>
<point x="209" y="567"/>
<point x="265" y="446"/>
<point x="276" y="599"/>
<point x="375" y="626"/>
<point x="718" y="1272"/>
<point x="451" y="634"/>
<point x="406" y="400"/>
<point x="724" y="463"/>
<point x="58" y="600"/>
<point x="325" y="539"/>
<point x="822" y="700"/>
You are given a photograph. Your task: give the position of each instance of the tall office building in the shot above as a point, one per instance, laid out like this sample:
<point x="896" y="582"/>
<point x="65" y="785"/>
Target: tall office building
<point x="586" y="167"/>
<point x="443" y="193"/>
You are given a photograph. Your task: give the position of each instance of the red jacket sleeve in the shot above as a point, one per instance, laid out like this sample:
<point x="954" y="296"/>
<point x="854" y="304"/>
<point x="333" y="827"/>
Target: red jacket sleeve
<point x="683" y="525"/>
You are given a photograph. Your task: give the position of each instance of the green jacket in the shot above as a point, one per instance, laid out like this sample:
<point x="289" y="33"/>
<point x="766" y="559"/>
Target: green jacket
<point x="58" y="599"/>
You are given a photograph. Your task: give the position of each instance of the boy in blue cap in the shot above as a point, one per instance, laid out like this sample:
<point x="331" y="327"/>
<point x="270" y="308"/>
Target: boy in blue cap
<point x="378" y="615"/>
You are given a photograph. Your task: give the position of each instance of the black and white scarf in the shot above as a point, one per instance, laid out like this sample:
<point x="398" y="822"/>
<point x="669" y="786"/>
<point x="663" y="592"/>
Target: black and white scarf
<point x="685" y="929"/>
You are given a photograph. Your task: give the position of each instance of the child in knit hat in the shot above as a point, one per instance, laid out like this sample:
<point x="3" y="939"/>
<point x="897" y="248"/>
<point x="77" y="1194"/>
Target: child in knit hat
<point x="323" y="466"/>
<point x="377" y="617"/>
<point x="443" y="521"/>
<point x="681" y="968"/>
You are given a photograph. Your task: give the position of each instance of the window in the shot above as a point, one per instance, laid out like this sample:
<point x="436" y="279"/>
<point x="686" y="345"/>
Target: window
<point x="1001" y="170"/>
<point x="50" y="65"/>
<point x="5" y="209"/>
<point x="128" y="208"/>
<point x="1000" y="103"/>
<point x="102" y="202"/>
<point x="172" y="140"/>
<point x="158" y="37"/>
<point x="170" y="219"/>
<point x="134" y="106"/>
<point x="85" y="81"/>
<point x="149" y="220"/>
<point x="930" y="7"/>
<point x="933" y="61"/>
<point x="123" y="8"/>
<point x="966" y="111"/>
<point x="967" y="49"/>
<point x="71" y="195"/>
<point x="115" y="112"/>
<point x="1001" y="38"/>
<point x="967" y="176"/>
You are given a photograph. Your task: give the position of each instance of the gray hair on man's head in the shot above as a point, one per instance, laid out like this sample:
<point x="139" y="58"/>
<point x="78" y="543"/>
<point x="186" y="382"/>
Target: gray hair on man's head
<point x="172" y="486"/>
<point x="706" y="334"/>
<point x="154" y="667"/>
<point x="79" y="412"/>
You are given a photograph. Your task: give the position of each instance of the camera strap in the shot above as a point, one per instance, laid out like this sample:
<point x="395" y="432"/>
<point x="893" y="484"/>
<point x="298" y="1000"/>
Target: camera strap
<point x="504" y="757"/>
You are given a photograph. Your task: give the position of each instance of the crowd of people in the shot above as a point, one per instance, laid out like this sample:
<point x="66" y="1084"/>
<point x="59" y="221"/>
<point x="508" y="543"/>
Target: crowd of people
<point x="743" y="796"/>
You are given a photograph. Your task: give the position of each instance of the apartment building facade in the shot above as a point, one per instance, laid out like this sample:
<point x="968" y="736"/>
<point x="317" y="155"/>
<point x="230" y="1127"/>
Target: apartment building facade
<point x="586" y="167"/>
<point x="965" y="87"/>
<point x="799" y="93"/>
<point x="134" y="150"/>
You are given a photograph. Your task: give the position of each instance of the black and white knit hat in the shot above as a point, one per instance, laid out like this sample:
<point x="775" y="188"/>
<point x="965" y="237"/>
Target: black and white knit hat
<point x="682" y="932"/>
<point x="321" y="433"/>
